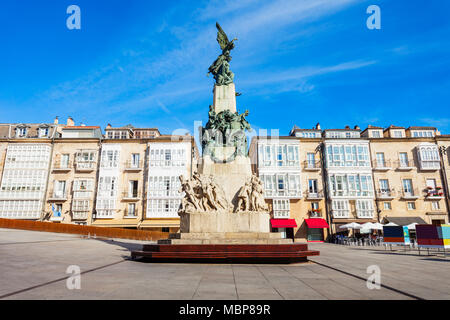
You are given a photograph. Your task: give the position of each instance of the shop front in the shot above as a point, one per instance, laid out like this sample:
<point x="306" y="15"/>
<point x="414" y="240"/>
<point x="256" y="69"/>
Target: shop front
<point x="315" y="229"/>
<point x="285" y="226"/>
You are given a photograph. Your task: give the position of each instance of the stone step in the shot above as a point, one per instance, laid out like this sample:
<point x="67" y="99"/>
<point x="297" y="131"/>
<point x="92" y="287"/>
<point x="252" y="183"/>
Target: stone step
<point x="225" y="241"/>
<point x="227" y="235"/>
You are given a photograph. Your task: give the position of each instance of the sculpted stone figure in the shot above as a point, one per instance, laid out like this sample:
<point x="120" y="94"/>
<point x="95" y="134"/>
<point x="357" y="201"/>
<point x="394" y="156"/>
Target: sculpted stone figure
<point x="258" y="202"/>
<point x="244" y="197"/>
<point x="251" y="196"/>
<point x="202" y="193"/>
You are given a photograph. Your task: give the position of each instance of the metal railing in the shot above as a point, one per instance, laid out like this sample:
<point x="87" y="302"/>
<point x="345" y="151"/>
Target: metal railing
<point x="410" y="194"/>
<point x="58" y="165"/>
<point x="133" y="165"/>
<point x="310" y="165"/>
<point x="404" y="164"/>
<point x="385" y="193"/>
<point x="377" y="164"/>
<point x="85" y="165"/>
<point x="314" y="195"/>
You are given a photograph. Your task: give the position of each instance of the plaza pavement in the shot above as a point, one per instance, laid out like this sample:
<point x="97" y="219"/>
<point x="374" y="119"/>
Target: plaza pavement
<point x="33" y="266"/>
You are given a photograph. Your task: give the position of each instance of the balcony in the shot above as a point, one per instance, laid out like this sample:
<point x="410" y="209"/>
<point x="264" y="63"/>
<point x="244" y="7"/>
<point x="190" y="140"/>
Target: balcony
<point x="85" y="166"/>
<point x="365" y="214"/>
<point x="80" y="215"/>
<point x="133" y="166"/>
<point x="58" y="196"/>
<point x="318" y="195"/>
<point x="105" y="213"/>
<point x="62" y="167"/>
<point x="130" y="196"/>
<point x="405" y="165"/>
<point x="340" y="214"/>
<point x="381" y="165"/>
<point x="281" y="214"/>
<point x="311" y="166"/>
<point x="315" y="213"/>
<point x="130" y="214"/>
<point x="434" y="194"/>
<point x="410" y="194"/>
<point x="426" y="165"/>
<point x="385" y="194"/>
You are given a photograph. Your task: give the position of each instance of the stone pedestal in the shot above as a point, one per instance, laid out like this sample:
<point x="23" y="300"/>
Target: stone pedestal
<point x="231" y="175"/>
<point x="225" y="98"/>
<point x="223" y="222"/>
<point x="201" y="228"/>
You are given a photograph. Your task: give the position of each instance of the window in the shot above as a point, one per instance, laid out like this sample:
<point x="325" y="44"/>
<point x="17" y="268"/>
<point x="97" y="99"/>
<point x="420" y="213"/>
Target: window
<point x="311" y="160"/>
<point x="387" y="206"/>
<point x="351" y="185"/>
<point x="364" y="208"/>
<point x="281" y="208"/>
<point x="312" y="186"/>
<point x="403" y="156"/>
<point x="43" y="132"/>
<point x="65" y="161"/>
<point x="340" y="208"/>
<point x="133" y="189"/>
<point x="411" y="206"/>
<point x="21" y="131"/>
<point x="135" y="160"/>
<point x="131" y="212"/>
<point x="110" y="159"/>
<point x="381" y="163"/>
<point x="407" y="187"/>
<point x="168" y="157"/>
<point x="107" y="186"/>
<point x="282" y="184"/>
<point x="161" y="208"/>
<point x="347" y="155"/>
<point x="397" y="134"/>
<point x="60" y="189"/>
<point x="164" y="186"/>
<point x="435" y="205"/>
<point x="376" y="134"/>
<point x="429" y="157"/>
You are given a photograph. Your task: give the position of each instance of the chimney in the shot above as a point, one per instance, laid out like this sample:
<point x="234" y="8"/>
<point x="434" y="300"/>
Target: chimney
<point x="347" y="127"/>
<point x="318" y="126"/>
<point x="357" y="127"/>
<point x="56" y="121"/>
<point x="70" y="122"/>
<point x="109" y="126"/>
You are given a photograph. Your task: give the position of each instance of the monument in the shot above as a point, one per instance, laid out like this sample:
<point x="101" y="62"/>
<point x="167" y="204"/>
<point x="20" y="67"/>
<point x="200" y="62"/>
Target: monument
<point x="223" y="213"/>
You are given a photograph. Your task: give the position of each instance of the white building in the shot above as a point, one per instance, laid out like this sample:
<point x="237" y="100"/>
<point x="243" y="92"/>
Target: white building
<point x="24" y="180"/>
<point x="349" y="175"/>
<point x="108" y="182"/>
<point x="278" y="166"/>
<point x="166" y="162"/>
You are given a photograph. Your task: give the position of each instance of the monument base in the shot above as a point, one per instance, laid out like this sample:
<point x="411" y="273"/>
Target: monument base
<point x="240" y="253"/>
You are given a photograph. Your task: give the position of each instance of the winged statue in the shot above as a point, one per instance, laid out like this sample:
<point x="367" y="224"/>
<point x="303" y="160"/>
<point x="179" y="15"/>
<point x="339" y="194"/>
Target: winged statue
<point x="221" y="67"/>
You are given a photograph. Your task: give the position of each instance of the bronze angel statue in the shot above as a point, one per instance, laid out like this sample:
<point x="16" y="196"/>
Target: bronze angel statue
<point x="221" y="67"/>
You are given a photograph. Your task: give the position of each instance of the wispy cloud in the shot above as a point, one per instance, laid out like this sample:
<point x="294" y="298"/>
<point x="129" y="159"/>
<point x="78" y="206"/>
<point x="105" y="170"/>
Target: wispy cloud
<point x="137" y="80"/>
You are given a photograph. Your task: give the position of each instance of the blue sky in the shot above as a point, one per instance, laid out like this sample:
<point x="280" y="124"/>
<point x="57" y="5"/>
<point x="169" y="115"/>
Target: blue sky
<point x="300" y="62"/>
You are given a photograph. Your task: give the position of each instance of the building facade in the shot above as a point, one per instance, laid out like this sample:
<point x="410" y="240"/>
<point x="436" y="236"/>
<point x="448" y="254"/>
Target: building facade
<point x="315" y="180"/>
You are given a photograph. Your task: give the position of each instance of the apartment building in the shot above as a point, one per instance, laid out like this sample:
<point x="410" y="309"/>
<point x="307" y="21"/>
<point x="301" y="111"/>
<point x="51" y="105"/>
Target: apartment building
<point x="73" y="174"/>
<point x="138" y="184"/>
<point x="25" y="168"/>
<point x="290" y="168"/>
<point x="406" y="169"/>
<point x="349" y="183"/>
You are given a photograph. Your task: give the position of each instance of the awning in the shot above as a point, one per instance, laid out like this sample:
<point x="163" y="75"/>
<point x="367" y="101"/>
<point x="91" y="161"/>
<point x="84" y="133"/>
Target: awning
<point x="404" y="221"/>
<point x="316" y="223"/>
<point x="283" y="223"/>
